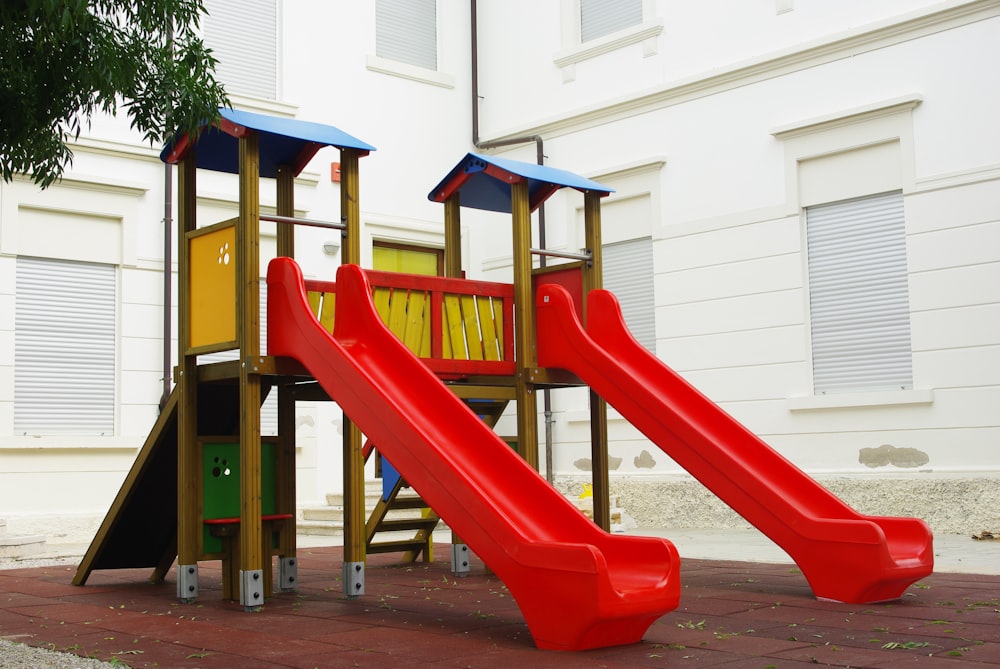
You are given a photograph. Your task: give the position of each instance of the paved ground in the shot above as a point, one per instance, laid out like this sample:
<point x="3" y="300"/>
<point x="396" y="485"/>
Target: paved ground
<point x="733" y="613"/>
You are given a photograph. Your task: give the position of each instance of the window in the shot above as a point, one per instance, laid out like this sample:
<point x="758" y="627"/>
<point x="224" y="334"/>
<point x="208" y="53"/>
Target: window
<point x="64" y="348"/>
<point x="409" y="259"/>
<point x="243" y="34"/>
<point x="628" y="273"/>
<point x="406" y="31"/>
<point x="858" y="295"/>
<point x="603" y="17"/>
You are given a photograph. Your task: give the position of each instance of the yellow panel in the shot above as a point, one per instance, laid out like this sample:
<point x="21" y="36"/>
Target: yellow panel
<point x="397" y="312"/>
<point x="454" y="337"/>
<point x="329" y="310"/>
<point x="381" y="299"/>
<point x="315" y="299"/>
<point x="498" y="319"/>
<point x="471" y="318"/>
<point x="408" y="260"/>
<point x="490" y="349"/>
<point x="213" y="287"/>
<point x="415" y="321"/>
<point x="425" y="337"/>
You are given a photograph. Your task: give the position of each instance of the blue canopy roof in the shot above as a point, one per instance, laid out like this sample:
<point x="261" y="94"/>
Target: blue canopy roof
<point x="283" y="141"/>
<point x="484" y="182"/>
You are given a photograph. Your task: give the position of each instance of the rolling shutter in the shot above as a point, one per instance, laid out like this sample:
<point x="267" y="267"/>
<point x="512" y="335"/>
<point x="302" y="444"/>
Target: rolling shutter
<point x="858" y="295"/>
<point x="603" y="17"/>
<point x="64" y="348"/>
<point x="243" y="35"/>
<point x="406" y="31"/>
<point x="628" y="273"/>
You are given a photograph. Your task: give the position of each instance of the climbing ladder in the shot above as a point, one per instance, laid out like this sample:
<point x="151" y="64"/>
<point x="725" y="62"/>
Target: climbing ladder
<point x="386" y="516"/>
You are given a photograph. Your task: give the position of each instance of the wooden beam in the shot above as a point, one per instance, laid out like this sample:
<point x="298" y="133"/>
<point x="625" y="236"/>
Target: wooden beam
<point x="592" y="280"/>
<point x="453" y="237"/>
<point x="286" y="207"/>
<point x="188" y="491"/>
<point x="524" y="325"/>
<point x="285" y="455"/>
<point x="355" y="540"/>
<point x="248" y="336"/>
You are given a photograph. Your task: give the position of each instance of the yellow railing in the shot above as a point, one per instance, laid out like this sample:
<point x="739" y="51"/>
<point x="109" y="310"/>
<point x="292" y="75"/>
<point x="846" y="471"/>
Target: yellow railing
<point x="458" y="327"/>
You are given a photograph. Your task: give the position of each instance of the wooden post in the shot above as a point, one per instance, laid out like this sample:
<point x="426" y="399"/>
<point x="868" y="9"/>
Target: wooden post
<point x="592" y="280"/>
<point x="285" y="456"/>
<point x="453" y="236"/>
<point x="524" y="325"/>
<point x="354" y="462"/>
<point x="188" y="495"/>
<point x="286" y="207"/>
<point x="248" y="336"/>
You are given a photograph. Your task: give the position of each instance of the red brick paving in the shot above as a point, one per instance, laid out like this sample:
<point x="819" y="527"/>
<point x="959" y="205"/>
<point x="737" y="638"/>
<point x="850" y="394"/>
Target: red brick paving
<point x="732" y="615"/>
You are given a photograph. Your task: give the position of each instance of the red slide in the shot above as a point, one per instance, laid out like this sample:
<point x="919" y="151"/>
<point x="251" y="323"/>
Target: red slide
<point x="578" y="587"/>
<point x="845" y="556"/>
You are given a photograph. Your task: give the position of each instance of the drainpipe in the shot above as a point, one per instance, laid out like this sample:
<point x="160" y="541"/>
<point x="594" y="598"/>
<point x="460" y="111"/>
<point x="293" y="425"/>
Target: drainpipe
<point x="168" y="261"/>
<point x="540" y="159"/>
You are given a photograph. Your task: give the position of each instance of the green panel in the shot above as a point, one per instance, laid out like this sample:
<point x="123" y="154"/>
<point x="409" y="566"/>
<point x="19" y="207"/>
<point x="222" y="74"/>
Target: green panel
<point x="221" y="484"/>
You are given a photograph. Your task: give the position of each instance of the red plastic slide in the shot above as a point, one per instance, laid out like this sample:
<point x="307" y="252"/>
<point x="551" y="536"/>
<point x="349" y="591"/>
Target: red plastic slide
<point x="844" y="555"/>
<point x="577" y="586"/>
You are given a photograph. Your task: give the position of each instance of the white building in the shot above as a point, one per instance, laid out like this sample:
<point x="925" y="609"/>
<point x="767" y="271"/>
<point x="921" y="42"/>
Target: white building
<point x="806" y="225"/>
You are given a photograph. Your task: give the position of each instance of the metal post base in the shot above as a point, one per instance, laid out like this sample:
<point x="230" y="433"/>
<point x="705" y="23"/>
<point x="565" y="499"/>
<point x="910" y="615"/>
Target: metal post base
<point x="288" y="573"/>
<point x="187" y="582"/>
<point x="354" y="579"/>
<point x="252" y="589"/>
<point x="459" y="559"/>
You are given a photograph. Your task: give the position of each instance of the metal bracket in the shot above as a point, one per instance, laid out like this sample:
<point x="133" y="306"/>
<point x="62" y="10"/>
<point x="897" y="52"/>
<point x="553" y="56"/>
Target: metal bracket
<point x="459" y="559"/>
<point x="288" y="573"/>
<point x="187" y="582"/>
<point x="354" y="579"/>
<point x="252" y="589"/>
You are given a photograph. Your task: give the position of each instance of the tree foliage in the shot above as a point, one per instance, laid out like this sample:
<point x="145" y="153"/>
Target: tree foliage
<point x="62" y="61"/>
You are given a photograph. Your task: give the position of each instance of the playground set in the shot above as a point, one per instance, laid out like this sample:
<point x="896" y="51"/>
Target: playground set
<point x="423" y="367"/>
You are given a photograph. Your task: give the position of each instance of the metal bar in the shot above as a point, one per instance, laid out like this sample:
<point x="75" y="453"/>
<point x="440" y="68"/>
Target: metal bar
<point x="563" y="254"/>
<point x="302" y="221"/>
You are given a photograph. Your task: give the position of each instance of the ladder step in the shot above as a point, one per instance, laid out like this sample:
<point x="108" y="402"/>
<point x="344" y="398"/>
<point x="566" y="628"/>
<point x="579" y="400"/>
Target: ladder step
<point x="400" y="546"/>
<point x="397" y="524"/>
<point x="408" y="502"/>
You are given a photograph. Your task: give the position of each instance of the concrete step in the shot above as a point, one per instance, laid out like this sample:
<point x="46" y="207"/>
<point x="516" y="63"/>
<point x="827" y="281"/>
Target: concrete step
<point x="329" y="520"/>
<point x="18" y="546"/>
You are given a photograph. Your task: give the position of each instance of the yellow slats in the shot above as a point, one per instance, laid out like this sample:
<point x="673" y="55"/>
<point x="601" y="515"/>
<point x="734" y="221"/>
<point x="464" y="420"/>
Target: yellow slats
<point x="315" y="299"/>
<point x="453" y="332"/>
<point x="397" y="312"/>
<point x="491" y="350"/>
<point x="381" y="297"/>
<point x="416" y="323"/>
<point x="471" y="320"/>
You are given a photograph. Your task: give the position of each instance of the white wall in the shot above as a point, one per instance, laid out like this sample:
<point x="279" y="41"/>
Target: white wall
<point x="716" y="122"/>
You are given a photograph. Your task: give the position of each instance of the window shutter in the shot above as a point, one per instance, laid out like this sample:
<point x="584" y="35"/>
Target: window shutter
<point x="858" y="296"/>
<point x="406" y="31"/>
<point x="603" y="17"/>
<point x="628" y="273"/>
<point x="64" y="348"/>
<point x="243" y="36"/>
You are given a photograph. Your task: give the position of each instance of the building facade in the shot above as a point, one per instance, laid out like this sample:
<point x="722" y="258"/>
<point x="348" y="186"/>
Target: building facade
<point x="805" y="225"/>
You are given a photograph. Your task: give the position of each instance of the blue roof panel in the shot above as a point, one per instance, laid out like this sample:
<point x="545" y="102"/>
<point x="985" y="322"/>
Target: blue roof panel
<point x="484" y="182"/>
<point x="283" y="141"/>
